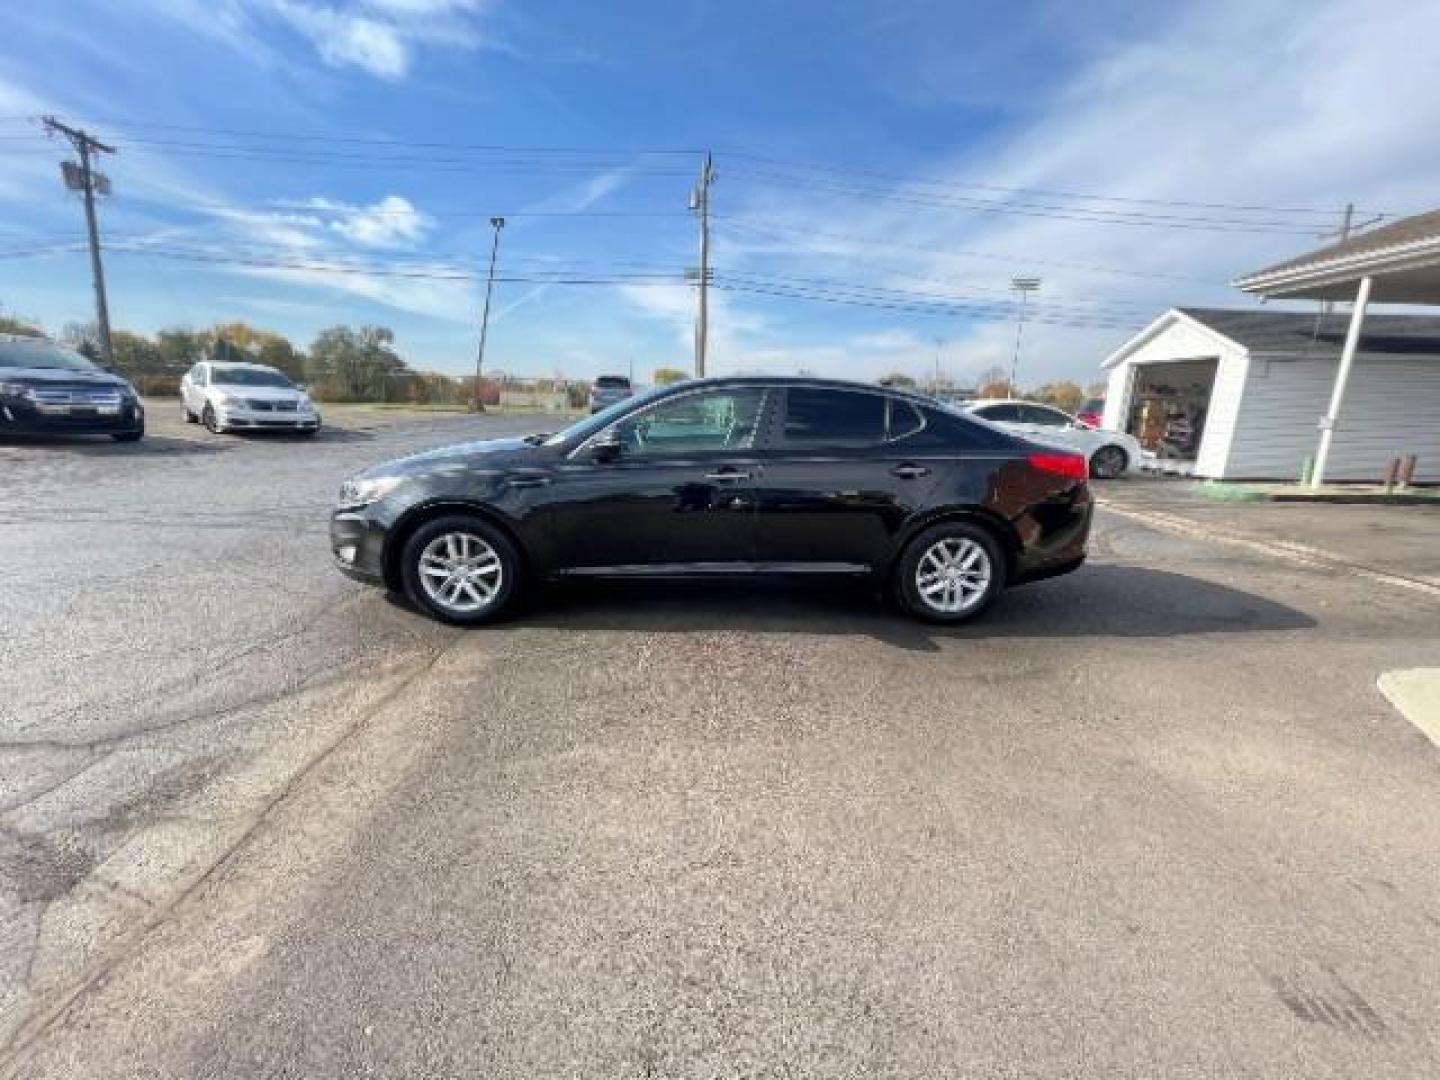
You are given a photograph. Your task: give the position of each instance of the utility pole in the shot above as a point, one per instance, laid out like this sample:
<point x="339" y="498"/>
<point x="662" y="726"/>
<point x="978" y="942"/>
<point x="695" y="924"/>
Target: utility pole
<point x="700" y="204"/>
<point x="1347" y="222"/>
<point x="1024" y="286"/>
<point x="935" y="379"/>
<point x="497" y="223"/>
<point x="87" y="181"/>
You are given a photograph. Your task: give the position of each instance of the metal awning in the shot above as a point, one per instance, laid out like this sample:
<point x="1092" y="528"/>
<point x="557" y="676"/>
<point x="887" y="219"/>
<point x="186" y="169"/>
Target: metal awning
<point x="1403" y="258"/>
<point x="1397" y="263"/>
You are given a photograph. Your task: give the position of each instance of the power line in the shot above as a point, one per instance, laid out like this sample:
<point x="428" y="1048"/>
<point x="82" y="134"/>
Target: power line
<point x="974" y="311"/>
<point x="774" y="229"/>
<point x="1042" y="192"/>
<point x="1042" y="210"/>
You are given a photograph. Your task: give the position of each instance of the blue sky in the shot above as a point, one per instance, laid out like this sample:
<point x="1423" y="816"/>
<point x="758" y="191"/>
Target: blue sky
<point x="887" y="166"/>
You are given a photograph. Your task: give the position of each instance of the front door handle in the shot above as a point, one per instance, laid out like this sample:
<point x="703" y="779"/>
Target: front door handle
<point x="528" y="481"/>
<point x="909" y="472"/>
<point x="728" y="474"/>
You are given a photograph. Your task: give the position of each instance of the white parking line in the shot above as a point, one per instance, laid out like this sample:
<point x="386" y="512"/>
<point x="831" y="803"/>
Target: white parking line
<point x="1279" y="549"/>
<point x="1415" y="692"/>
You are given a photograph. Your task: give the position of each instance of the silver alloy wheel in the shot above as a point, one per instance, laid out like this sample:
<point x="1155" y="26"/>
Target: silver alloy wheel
<point x="461" y="572"/>
<point x="953" y="575"/>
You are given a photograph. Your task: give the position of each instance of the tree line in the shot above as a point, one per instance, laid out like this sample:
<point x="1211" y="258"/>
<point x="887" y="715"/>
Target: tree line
<point x="342" y="364"/>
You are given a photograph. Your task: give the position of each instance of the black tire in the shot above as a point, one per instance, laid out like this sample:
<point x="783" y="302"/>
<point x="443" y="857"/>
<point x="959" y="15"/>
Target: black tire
<point x="130" y="436"/>
<point x="963" y="533"/>
<point x="207" y="417"/>
<point x="510" y="573"/>
<point x="1109" y="462"/>
<point x="308" y="433"/>
<point x="190" y="417"/>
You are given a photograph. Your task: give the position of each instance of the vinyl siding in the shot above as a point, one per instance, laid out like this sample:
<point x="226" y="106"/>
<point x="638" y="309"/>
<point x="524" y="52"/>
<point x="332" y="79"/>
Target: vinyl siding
<point x="1391" y="408"/>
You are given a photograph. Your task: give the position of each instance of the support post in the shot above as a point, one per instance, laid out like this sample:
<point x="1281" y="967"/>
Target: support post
<point x="1337" y="396"/>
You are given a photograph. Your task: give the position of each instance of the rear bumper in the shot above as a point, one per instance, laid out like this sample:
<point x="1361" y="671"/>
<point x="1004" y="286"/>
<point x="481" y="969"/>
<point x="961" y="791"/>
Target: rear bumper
<point x="1055" y="536"/>
<point x="19" y="417"/>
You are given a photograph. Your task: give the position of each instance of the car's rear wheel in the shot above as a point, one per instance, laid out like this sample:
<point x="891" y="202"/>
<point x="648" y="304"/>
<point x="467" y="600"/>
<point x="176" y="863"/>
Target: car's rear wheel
<point x="1109" y="462"/>
<point x="190" y="417"/>
<point x="950" y="573"/>
<point x="461" y="569"/>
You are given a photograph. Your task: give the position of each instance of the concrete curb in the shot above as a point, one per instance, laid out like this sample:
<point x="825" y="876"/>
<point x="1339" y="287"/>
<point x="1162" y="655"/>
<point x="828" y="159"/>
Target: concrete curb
<point x="1224" y="492"/>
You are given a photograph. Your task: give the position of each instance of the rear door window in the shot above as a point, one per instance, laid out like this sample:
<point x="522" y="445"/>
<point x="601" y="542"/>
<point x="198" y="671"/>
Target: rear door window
<point x="818" y="418"/>
<point x="1000" y="414"/>
<point x="1043" y="417"/>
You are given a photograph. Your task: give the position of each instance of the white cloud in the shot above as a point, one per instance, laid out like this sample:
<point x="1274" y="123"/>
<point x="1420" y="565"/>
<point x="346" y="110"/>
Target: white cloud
<point x="1251" y="102"/>
<point x="379" y="36"/>
<point x="390" y="223"/>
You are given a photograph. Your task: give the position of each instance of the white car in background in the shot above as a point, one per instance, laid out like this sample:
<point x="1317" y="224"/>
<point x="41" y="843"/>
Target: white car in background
<point x="246" y="397"/>
<point x="1110" y="453"/>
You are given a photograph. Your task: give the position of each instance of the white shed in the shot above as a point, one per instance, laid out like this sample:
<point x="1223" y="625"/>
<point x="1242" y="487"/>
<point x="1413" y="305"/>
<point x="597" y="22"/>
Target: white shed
<point x="1236" y="395"/>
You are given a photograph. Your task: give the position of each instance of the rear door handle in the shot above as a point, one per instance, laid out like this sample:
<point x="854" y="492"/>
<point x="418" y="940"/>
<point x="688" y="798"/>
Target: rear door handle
<point x="728" y="474"/>
<point x="909" y="472"/>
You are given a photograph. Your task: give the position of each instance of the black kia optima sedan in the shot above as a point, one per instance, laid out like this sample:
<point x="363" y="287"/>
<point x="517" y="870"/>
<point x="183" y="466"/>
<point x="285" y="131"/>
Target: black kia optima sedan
<point x="47" y="389"/>
<point x="725" y="477"/>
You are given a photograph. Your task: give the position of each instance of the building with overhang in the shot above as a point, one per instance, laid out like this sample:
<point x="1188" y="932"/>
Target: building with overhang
<point x="1262" y="395"/>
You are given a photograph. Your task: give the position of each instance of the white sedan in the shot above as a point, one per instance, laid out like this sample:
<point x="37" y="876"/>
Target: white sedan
<point x="1110" y="453"/>
<point x="246" y="397"/>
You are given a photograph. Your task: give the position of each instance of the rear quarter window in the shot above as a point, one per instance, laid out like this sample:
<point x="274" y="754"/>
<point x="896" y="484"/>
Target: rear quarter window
<point x="945" y="430"/>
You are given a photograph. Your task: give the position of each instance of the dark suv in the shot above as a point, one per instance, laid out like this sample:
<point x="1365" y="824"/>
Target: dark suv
<point x="47" y="389"/>
<point x="725" y="477"/>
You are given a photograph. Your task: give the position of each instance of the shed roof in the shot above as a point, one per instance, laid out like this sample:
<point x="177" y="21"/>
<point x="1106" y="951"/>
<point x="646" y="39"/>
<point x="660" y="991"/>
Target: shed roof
<point x="1402" y="257"/>
<point x="1311" y="334"/>
<point x="1301" y="334"/>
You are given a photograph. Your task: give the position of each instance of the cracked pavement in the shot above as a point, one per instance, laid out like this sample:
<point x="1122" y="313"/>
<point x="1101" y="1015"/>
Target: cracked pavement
<point x="1150" y="819"/>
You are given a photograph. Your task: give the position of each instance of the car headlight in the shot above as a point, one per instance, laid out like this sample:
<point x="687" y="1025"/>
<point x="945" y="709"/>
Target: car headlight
<point x="16" y="389"/>
<point x="362" y="491"/>
<point x="306" y="405"/>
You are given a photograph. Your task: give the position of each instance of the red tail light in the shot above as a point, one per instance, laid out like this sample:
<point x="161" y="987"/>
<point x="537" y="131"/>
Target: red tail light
<point x="1070" y="465"/>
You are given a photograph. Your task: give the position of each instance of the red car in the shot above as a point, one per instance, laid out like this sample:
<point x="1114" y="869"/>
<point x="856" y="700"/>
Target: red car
<point x="1092" y="412"/>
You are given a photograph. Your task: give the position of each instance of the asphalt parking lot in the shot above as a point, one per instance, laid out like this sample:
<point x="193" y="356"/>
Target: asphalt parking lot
<point x="1151" y="819"/>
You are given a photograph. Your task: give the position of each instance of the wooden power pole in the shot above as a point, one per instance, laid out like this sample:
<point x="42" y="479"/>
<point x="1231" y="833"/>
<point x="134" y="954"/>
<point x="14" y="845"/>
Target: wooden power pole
<point x="88" y="182"/>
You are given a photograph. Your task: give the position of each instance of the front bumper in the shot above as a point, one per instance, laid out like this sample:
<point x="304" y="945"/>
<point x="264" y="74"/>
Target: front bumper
<point x="20" y="416"/>
<point x="239" y="418"/>
<point x="358" y="546"/>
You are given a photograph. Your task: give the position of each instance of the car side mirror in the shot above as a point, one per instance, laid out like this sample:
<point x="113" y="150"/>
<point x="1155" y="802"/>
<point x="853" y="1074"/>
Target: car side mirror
<point x="607" y="446"/>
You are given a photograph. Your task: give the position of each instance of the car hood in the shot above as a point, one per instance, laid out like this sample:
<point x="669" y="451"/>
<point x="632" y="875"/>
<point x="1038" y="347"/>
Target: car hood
<point x="486" y="453"/>
<point x="60" y="377"/>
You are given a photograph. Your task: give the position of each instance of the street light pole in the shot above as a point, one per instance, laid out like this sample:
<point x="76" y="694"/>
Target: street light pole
<point x="1024" y="286"/>
<point x="497" y="223"/>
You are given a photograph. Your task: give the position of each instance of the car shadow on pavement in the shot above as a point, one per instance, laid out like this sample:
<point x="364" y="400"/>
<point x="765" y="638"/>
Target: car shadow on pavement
<point x="1099" y="601"/>
<point x="104" y="446"/>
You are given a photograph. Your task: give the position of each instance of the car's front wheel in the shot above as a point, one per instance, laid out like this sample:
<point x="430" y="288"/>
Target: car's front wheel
<point x="209" y="419"/>
<point x="950" y="573"/>
<point x="461" y="569"/>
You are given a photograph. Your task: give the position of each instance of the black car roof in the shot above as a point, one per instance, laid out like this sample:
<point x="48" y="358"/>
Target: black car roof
<point x="816" y="381"/>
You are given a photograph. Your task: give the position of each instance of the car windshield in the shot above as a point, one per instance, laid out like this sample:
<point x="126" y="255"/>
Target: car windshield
<point x="612" y="382"/>
<point x="250" y="377"/>
<point x="42" y="354"/>
<point x="583" y="429"/>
